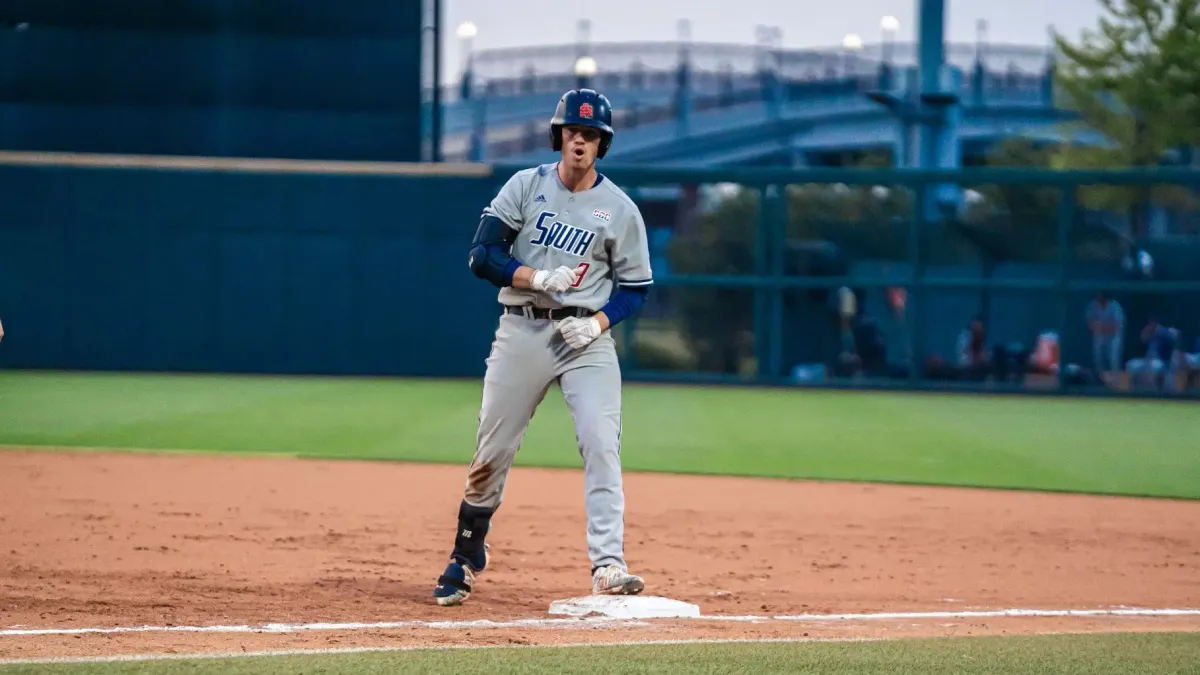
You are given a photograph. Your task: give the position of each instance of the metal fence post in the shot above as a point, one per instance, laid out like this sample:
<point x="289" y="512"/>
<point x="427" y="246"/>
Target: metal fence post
<point x="778" y="223"/>
<point x="915" y="304"/>
<point x="1066" y="218"/>
<point x="764" y="244"/>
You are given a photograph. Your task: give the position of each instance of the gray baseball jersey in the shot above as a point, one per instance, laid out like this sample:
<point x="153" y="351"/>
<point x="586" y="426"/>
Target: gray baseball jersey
<point x="600" y="227"/>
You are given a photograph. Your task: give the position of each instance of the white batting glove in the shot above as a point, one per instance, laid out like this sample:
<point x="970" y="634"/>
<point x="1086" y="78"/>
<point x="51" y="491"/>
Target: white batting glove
<point x="554" y="282"/>
<point x="579" y="332"/>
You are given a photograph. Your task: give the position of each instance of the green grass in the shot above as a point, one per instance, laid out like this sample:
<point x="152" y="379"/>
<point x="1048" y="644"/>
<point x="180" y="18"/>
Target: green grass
<point x="1119" y="654"/>
<point x="1092" y="445"/>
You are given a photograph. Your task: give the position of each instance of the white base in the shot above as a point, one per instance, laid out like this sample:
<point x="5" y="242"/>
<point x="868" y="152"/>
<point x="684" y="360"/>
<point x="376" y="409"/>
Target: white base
<point x="625" y="607"/>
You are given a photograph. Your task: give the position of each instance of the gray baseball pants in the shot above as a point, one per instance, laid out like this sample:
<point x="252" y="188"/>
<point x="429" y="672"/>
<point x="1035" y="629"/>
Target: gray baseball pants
<point x="527" y="356"/>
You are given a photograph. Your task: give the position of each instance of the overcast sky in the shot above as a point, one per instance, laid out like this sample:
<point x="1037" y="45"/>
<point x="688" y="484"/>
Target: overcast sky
<point x="804" y="23"/>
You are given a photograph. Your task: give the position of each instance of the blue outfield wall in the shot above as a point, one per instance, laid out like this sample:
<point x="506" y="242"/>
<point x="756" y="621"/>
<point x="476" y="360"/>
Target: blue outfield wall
<point x="268" y="78"/>
<point x="270" y="266"/>
<point x="238" y="272"/>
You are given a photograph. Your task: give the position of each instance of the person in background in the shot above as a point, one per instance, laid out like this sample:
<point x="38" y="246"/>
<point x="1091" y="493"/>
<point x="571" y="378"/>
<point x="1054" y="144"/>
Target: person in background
<point x="1044" y="360"/>
<point x="1" y="331"/>
<point x="1184" y="366"/>
<point x="1160" y="346"/>
<point x="974" y="361"/>
<point x="848" y="362"/>
<point x="1106" y="321"/>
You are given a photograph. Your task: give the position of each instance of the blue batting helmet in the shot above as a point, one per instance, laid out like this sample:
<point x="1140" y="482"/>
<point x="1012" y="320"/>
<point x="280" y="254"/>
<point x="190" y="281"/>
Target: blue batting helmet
<point x="586" y="108"/>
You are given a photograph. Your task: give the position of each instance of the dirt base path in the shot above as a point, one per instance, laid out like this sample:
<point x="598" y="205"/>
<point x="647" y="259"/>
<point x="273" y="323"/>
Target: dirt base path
<point x="123" y="540"/>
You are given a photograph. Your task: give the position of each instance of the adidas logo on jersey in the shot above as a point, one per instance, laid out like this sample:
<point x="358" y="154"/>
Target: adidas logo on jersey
<point x="561" y="236"/>
<point x="540" y="198"/>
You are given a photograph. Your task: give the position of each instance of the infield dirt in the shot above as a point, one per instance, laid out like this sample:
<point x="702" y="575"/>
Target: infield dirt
<point x="128" y="539"/>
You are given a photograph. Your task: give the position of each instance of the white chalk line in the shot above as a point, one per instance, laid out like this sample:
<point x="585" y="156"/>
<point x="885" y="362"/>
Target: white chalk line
<point x="964" y="614"/>
<point x="352" y="626"/>
<point x="534" y="623"/>
<point x="327" y="651"/>
<point x="281" y="628"/>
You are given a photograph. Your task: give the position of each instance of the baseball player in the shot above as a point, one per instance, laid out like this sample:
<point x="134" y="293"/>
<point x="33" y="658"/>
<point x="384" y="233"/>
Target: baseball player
<point x="568" y="251"/>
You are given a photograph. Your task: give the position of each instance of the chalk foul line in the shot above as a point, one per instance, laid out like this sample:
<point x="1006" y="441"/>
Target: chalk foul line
<point x="351" y="626"/>
<point x="964" y="614"/>
<point x="337" y="651"/>
<point x="597" y="622"/>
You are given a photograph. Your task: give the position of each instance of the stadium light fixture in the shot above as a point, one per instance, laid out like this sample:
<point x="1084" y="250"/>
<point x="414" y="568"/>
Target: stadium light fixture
<point x="585" y="66"/>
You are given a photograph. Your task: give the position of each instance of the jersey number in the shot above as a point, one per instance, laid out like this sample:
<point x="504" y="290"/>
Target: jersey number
<point x="585" y="267"/>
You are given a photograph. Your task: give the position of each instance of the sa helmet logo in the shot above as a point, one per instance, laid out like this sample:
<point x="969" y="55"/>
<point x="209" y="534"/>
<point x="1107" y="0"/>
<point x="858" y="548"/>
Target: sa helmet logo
<point x="585" y="111"/>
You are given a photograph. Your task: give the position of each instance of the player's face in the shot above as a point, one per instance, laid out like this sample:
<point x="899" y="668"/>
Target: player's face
<point x="580" y="145"/>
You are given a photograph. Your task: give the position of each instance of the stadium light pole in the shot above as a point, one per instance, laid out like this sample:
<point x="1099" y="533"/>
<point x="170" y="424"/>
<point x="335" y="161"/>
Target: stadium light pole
<point x="981" y="30"/>
<point x="583" y="37"/>
<point x="852" y="44"/>
<point x="431" y="51"/>
<point x="683" y="30"/>
<point x="890" y="26"/>
<point x="466" y="33"/>
<point x="585" y="70"/>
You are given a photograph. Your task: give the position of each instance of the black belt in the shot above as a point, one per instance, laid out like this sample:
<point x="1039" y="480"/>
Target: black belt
<point x="531" y="312"/>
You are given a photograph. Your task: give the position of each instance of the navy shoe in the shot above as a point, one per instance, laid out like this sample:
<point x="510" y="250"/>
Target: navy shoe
<point x="455" y="584"/>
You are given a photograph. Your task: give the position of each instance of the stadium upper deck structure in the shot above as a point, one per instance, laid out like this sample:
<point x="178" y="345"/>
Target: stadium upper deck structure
<point x="683" y="103"/>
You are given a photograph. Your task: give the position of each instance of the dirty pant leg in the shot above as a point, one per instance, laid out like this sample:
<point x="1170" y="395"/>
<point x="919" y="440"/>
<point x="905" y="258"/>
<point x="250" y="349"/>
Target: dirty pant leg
<point x="519" y="372"/>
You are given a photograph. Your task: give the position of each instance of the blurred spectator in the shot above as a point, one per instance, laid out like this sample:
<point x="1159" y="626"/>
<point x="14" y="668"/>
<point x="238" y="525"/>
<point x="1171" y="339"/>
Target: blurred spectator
<point x="845" y="304"/>
<point x="1106" y="321"/>
<point x="974" y="361"/>
<point x="1185" y="365"/>
<point x="1046" y="353"/>
<point x="1011" y="362"/>
<point x="871" y="348"/>
<point x="1" y="331"/>
<point x="1160" y="346"/>
<point x="897" y="302"/>
<point x="847" y="309"/>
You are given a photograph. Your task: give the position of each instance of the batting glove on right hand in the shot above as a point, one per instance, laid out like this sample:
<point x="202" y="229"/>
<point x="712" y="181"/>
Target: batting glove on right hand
<point x="579" y="332"/>
<point x="557" y="281"/>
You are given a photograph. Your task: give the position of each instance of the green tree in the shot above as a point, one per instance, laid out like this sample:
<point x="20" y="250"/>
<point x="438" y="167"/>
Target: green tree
<point x="1024" y="201"/>
<point x="1019" y="222"/>
<point x="859" y="222"/>
<point x="1011" y="222"/>
<point x="715" y="322"/>
<point x="1134" y="80"/>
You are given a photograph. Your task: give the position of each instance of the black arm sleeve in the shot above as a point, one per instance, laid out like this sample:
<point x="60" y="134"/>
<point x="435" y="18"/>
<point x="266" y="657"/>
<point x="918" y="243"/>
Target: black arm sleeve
<point x="491" y="252"/>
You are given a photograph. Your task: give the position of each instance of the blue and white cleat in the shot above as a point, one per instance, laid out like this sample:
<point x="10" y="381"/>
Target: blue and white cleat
<point x="456" y="583"/>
